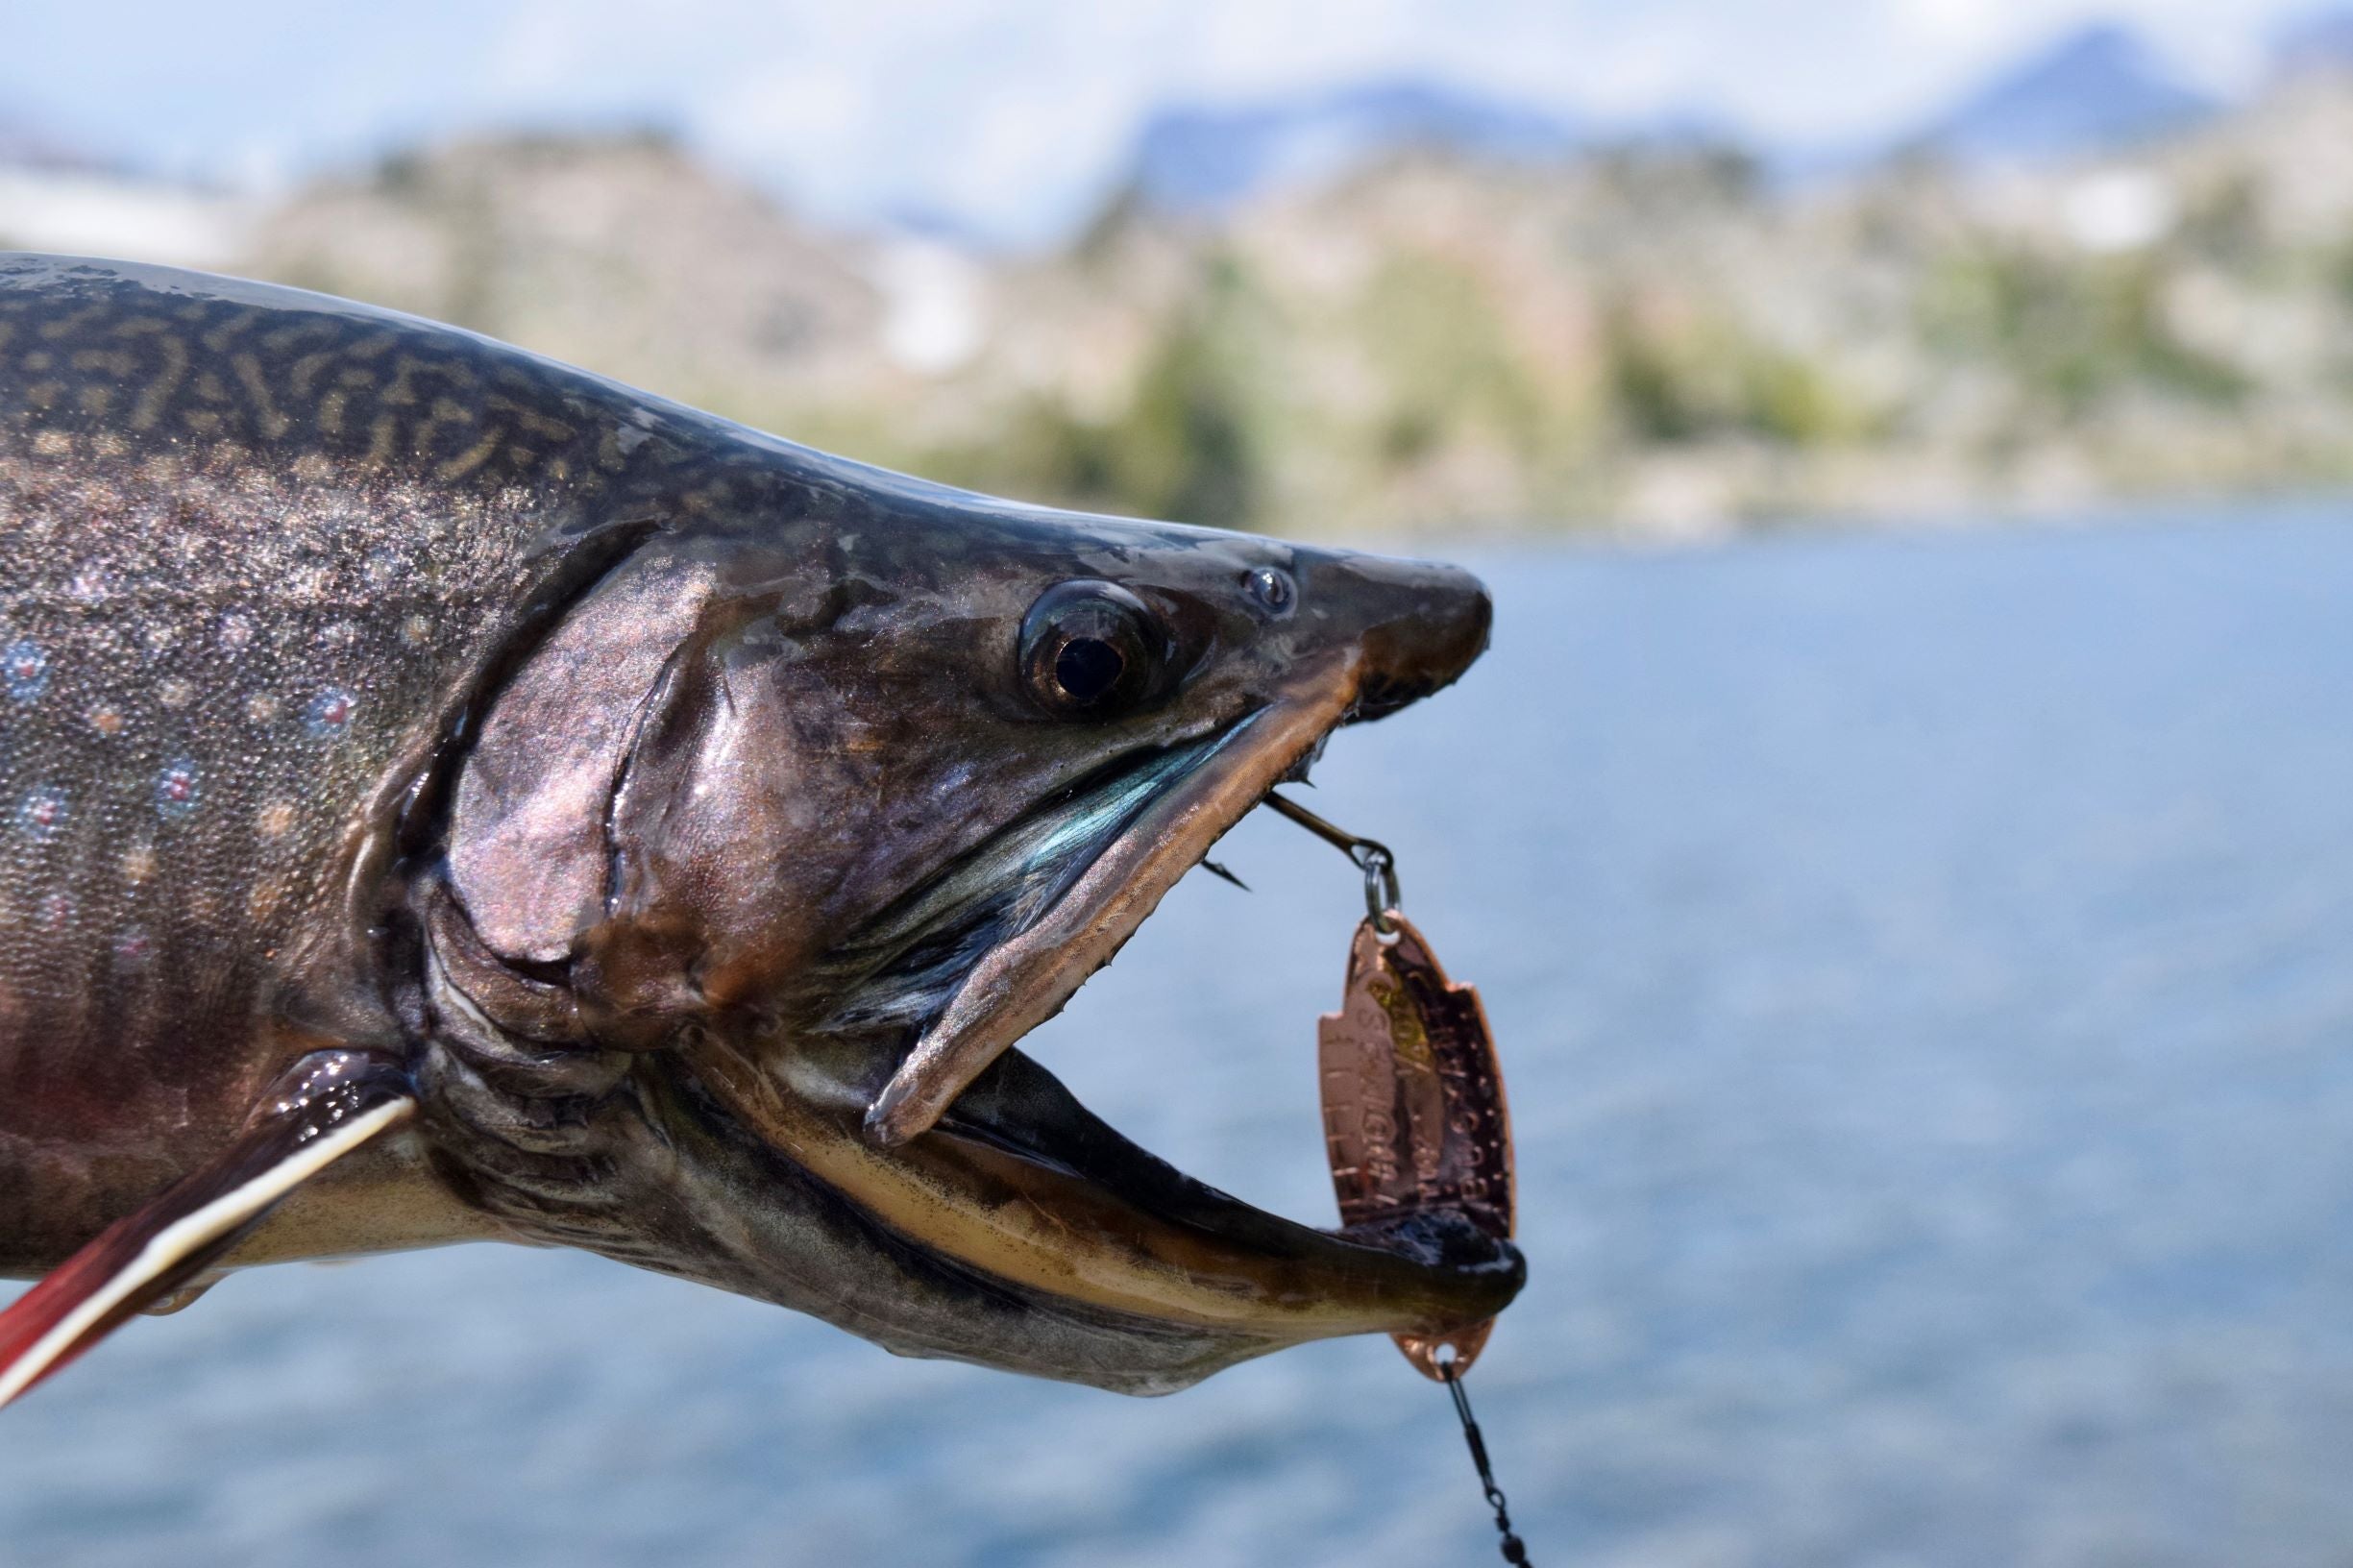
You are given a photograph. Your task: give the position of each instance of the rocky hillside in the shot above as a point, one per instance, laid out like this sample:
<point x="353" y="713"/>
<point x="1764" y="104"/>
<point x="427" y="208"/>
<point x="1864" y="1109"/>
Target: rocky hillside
<point x="1662" y="338"/>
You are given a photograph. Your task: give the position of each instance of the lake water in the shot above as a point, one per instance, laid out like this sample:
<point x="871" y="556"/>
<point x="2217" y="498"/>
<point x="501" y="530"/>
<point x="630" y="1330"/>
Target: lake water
<point x="1925" y="970"/>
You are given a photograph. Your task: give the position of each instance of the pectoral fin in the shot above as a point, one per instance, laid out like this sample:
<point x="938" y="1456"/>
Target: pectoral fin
<point x="330" y="1103"/>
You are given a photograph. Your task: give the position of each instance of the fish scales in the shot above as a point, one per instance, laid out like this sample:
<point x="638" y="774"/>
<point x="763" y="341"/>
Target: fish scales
<point x="249" y="559"/>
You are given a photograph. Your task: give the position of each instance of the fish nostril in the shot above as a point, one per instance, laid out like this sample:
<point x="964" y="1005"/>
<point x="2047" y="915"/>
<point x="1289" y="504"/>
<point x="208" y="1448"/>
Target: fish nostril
<point x="1273" y="589"/>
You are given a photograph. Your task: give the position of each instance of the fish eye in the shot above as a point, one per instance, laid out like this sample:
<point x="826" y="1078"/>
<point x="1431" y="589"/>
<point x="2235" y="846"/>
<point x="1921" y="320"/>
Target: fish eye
<point x="1272" y="588"/>
<point x="1092" y="650"/>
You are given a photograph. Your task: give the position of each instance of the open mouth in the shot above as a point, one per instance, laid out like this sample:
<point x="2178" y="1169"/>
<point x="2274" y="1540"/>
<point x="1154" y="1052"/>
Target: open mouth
<point x="1153" y="823"/>
<point x="974" y="1151"/>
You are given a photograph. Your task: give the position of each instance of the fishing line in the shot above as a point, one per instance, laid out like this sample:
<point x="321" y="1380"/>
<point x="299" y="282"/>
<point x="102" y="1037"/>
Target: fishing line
<point x="1514" y="1550"/>
<point x="1414" y="1118"/>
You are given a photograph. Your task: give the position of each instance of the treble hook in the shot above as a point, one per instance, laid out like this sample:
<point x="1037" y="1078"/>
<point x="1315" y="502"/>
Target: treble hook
<point x="1381" y="894"/>
<point x="1214" y="870"/>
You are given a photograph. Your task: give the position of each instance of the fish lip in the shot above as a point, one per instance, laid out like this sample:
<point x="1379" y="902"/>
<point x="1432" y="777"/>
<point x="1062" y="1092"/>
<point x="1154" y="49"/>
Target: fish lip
<point x="1025" y="979"/>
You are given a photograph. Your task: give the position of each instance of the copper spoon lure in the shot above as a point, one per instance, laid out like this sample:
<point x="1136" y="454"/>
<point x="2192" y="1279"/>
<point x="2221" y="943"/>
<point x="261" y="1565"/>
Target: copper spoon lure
<point x="1414" y="1116"/>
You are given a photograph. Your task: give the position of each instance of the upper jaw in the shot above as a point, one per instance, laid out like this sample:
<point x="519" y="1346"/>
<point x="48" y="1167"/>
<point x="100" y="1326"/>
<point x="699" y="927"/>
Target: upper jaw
<point x="1026" y="979"/>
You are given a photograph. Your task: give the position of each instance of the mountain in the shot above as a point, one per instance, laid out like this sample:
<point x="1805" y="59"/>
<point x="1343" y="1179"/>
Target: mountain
<point x="537" y="238"/>
<point x="1203" y="159"/>
<point x="25" y="145"/>
<point x="2322" y="43"/>
<point x="2094" y="91"/>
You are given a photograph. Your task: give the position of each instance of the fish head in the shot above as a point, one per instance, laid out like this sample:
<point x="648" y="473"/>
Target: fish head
<point x="796" y="828"/>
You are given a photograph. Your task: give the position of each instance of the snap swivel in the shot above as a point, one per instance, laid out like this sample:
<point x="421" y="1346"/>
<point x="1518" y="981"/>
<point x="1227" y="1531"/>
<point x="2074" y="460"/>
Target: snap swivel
<point x="1382" y="897"/>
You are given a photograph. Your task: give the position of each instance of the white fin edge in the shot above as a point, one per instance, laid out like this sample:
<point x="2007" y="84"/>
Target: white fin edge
<point x="193" y="1231"/>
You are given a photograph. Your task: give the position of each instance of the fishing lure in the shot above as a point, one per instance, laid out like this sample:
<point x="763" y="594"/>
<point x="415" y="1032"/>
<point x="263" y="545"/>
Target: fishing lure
<point x="1416" y="1122"/>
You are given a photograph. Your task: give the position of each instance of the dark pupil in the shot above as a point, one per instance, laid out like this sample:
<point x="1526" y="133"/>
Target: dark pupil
<point x="1087" y="666"/>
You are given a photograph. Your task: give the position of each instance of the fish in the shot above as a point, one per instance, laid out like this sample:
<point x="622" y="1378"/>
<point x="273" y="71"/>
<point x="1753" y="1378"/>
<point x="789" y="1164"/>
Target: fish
<point x="446" y="795"/>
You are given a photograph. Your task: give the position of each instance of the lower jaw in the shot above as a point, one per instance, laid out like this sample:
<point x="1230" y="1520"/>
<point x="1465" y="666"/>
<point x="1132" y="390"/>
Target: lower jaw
<point x="758" y="1226"/>
<point x="1022" y="1184"/>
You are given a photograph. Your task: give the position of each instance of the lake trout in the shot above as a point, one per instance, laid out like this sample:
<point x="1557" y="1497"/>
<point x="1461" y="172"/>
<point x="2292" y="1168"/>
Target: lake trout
<point x="445" y="796"/>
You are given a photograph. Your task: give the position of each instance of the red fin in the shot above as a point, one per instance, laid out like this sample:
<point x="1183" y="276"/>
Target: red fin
<point x="330" y="1104"/>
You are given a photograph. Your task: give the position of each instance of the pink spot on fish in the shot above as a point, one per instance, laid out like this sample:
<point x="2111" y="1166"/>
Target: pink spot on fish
<point x="176" y="790"/>
<point x="330" y="713"/>
<point x="41" y="813"/>
<point x="25" y="667"/>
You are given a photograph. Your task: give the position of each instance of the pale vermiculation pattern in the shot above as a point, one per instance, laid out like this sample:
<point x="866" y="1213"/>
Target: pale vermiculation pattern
<point x="189" y="715"/>
<point x="248" y="561"/>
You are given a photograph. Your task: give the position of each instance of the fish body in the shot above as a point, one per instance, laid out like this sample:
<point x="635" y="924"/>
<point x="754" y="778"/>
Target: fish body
<point x="259" y="550"/>
<point x="521" y="808"/>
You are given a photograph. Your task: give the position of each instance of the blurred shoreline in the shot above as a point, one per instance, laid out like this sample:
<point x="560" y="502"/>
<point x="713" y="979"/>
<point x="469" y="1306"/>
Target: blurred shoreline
<point x="1658" y="339"/>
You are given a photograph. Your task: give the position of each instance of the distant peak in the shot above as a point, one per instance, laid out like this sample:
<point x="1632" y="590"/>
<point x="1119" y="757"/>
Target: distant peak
<point x="2319" y="42"/>
<point x="2097" y="89"/>
<point x="1205" y="159"/>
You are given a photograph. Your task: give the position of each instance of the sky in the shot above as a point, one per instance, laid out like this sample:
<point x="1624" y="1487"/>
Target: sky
<point x="1009" y="114"/>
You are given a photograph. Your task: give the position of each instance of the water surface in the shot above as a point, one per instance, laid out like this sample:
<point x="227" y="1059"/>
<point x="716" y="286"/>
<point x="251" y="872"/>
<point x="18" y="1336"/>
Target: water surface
<point x="1925" y="972"/>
